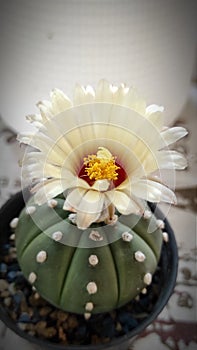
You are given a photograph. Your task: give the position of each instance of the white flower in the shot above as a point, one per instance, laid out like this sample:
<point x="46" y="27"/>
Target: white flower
<point x="102" y="151"/>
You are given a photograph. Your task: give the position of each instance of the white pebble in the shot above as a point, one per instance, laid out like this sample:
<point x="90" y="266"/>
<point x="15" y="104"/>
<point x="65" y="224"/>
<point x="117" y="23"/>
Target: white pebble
<point x="148" y="278"/>
<point x="93" y="260"/>
<point x="32" y="277"/>
<point x="57" y="236"/>
<point x="89" y="306"/>
<point x="139" y="256"/>
<point x="95" y="236"/>
<point x="52" y="203"/>
<point x="30" y="210"/>
<point x="147" y="214"/>
<point x="160" y="224"/>
<point x="41" y="256"/>
<point x="87" y="315"/>
<point x="165" y="237"/>
<point x="91" y="287"/>
<point x="14" y="223"/>
<point x="127" y="237"/>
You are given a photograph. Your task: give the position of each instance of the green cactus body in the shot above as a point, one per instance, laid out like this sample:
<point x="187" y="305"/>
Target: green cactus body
<point x="93" y="270"/>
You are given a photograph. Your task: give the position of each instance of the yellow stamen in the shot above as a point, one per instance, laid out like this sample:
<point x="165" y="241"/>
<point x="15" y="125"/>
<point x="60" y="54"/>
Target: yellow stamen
<point x="101" y="166"/>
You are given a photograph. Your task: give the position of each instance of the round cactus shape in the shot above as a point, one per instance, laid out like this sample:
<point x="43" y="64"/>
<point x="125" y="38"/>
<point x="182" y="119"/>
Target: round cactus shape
<point x="86" y="271"/>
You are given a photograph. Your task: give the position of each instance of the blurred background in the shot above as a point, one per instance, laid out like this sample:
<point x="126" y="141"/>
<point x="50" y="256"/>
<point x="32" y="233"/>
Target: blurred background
<point x="150" y="44"/>
<point x="46" y="44"/>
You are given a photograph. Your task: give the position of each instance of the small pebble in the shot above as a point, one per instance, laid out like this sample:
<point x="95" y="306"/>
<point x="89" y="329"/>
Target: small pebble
<point x="24" y="317"/>
<point x="3" y="285"/>
<point x="45" y="310"/>
<point x="14" y="223"/>
<point x="11" y="276"/>
<point x="7" y="301"/>
<point x="72" y="322"/>
<point x="3" y="268"/>
<point x="127" y="237"/>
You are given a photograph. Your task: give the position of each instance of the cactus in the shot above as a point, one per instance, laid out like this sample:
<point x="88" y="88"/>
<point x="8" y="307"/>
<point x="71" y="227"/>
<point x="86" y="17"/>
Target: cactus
<point x="86" y="271"/>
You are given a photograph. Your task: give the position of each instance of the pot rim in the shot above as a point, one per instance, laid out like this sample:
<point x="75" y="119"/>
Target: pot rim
<point x="9" y="211"/>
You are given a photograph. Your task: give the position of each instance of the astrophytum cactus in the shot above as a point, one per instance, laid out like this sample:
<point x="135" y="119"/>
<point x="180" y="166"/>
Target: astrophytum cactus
<point x="87" y="240"/>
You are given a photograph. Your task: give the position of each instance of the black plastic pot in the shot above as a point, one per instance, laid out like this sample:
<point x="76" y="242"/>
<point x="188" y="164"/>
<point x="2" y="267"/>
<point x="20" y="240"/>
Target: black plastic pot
<point x="168" y="265"/>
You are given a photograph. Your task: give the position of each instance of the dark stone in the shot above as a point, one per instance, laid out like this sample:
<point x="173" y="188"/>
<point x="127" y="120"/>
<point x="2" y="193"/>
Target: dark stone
<point x="24" y="318"/>
<point x="11" y="276"/>
<point x="3" y="269"/>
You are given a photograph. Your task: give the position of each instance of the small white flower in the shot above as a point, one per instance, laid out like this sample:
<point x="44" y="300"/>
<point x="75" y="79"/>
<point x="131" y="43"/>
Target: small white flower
<point x="101" y="151"/>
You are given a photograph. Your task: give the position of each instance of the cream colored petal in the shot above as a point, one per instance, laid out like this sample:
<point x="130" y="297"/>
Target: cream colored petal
<point x="157" y="119"/>
<point x="89" y="209"/>
<point x="133" y="100"/>
<point x="60" y="102"/>
<point x="172" y="135"/>
<point x="171" y="160"/>
<point x="154" y="109"/>
<point x="74" y="198"/>
<point x="49" y="189"/>
<point x="45" y="145"/>
<point x="104" y="92"/>
<point x="45" y="108"/>
<point x="124" y="203"/>
<point x="83" y="95"/>
<point x="153" y="191"/>
<point x="101" y="185"/>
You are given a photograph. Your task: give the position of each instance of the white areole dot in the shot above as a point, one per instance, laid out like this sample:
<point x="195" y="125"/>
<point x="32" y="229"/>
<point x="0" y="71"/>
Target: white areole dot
<point x="93" y="260"/>
<point x="91" y="287"/>
<point x="14" y="223"/>
<point x="52" y="203"/>
<point x="148" y="278"/>
<point x="30" y="210"/>
<point x="95" y="236"/>
<point x="147" y="214"/>
<point x="32" y="277"/>
<point x="127" y="237"/>
<point x="160" y="224"/>
<point x="165" y="237"/>
<point x="41" y="256"/>
<point x="89" y="306"/>
<point x="139" y="256"/>
<point x="57" y="236"/>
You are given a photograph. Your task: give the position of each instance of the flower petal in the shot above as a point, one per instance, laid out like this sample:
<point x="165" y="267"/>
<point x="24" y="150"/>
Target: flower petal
<point x="171" y="160"/>
<point x="122" y="202"/>
<point x="153" y="191"/>
<point x="89" y="209"/>
<point x="49" y="189"/>
<point x="171" y="135"/>
<point x="60" y="102"/>
<point x="83" y="95"/>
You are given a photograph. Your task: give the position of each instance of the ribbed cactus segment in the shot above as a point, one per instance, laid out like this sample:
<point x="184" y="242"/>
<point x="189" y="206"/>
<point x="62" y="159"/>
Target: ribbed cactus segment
<point x="103" y="266"/>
